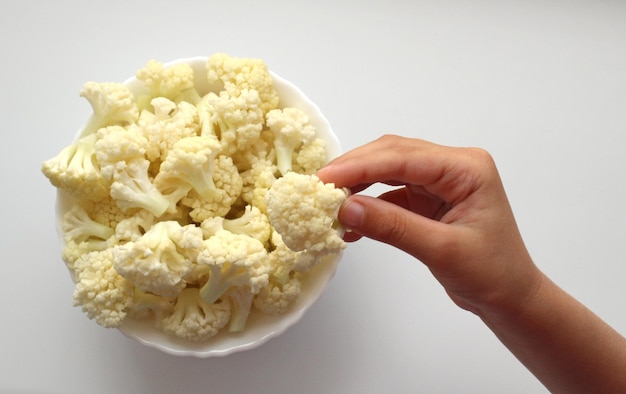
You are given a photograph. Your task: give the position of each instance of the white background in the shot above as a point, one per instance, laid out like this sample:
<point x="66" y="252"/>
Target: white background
<point x="540" y="84"/>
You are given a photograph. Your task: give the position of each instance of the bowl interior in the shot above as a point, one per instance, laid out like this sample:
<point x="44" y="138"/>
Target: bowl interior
<point x="260" y="327"/>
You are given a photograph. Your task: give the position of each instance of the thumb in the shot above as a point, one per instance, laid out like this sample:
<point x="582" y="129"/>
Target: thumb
<point x="386" y="222"/>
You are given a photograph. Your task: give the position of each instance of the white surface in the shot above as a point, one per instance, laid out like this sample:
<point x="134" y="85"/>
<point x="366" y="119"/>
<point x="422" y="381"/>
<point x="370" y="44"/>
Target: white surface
<point x="542" y="85"/>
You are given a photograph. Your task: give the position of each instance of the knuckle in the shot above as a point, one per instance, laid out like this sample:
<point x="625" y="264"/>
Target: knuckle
<point x="481" y="156"/>
<point x="392" y="141"/>
<point x="392" y="229"/>
<point x="388" y="137"/>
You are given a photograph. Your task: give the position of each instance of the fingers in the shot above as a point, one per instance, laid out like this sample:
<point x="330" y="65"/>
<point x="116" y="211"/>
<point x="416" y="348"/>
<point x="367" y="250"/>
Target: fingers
<point x="417" y="200"/>
<point x="421" y="204"/>
<point x="449" y="210"/>
<point x="390" y="223"/>
<point x="399" y="160"/>
<point x="443" y="189"/>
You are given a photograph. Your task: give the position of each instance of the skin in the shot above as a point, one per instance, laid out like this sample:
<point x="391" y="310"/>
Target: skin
<point x="451" y="212"/>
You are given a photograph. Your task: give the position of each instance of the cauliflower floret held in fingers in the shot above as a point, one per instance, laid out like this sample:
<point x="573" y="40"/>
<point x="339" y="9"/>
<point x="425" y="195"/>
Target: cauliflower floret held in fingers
<point x="303" y="210"/>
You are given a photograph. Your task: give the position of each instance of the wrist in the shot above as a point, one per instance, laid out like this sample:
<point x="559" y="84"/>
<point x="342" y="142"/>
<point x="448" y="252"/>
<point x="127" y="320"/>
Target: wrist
<point x="565" y="345"/>
<point x="523" y="297"/>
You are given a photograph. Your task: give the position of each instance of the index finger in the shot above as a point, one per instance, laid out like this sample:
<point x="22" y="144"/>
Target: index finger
<point x="399" y="160"/>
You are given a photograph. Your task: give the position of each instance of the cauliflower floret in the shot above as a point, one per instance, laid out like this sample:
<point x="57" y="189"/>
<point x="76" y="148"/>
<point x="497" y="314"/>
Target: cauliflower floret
<point x="284" y="285"/>
<point x="277" y="297"/>
<point x="132" y="188"/>
<point x="291" y="130"/>
<point x="132" y="228"/>
<point x="103" y="294"/>
<point x="121" y="153"/>
<point x="284" y="261"/>
<point x="194" y="319"/>
<point x="147" y="305"/>
<point x="210" y="226"/>
<point x="112" y="104"/>
<point x="241" y="298"/>
<point x="304" y="211"/>
<point x="76" y="171"/>
<point x="252" y="223"/>
<point x="106" y="211"/>
<point x="261" y="151"/>
<point x="310" y="157"/>
<point x="115" y="144"/>
<point x="256" y="182"/>
<point x="78" y="226"/>
<point x="169" y="123"/>
<point x="189" y="165"/>
<point x="72" y="251"/>
<point x="173" y="82"/>
<point x="232" y="260"/>
<point x="83" y="233"/>
<point x="228" y="185"/>
<point x="160" y="259"/>
<point x="237" y="121"/>
<point x="238" y="74"/>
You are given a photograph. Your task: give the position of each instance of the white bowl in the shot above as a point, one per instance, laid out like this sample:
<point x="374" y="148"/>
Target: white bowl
<point x="260" y="327"/>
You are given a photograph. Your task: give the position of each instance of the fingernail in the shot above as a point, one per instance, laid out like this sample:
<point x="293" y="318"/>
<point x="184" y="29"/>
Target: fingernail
<point x="320" y="173"/>
<point x="352" y="214"/>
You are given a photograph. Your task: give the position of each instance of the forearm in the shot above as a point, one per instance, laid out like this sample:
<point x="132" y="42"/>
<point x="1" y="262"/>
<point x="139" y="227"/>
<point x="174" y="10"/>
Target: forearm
<point x="567" y="347"/>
